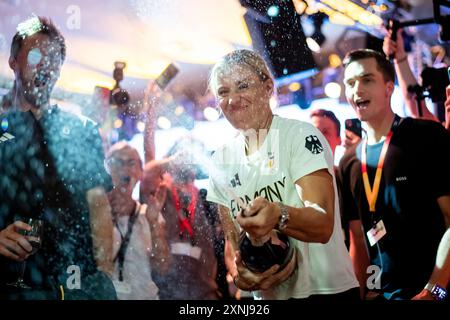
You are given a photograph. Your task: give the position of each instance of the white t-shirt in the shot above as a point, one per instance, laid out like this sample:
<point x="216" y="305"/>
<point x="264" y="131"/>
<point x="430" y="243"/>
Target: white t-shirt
<point x="137" y="276"/>
<point x="291" y="150"/>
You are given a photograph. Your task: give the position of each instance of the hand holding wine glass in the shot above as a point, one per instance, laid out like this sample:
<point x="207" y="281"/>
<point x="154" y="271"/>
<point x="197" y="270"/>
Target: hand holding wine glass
<point x="29" y="238"/>
<point x="13" y="244"/>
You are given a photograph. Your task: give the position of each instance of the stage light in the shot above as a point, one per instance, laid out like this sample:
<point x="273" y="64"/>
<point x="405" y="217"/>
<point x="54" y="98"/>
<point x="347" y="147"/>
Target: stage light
<point x="340" y="19"/>
<point x="294" y="86"/>
<point x="179" y="110"/>
<point x="279" y="39"/>
<point x="164" y="123"/>
<point x="354" y="11"/>
<point x="211" y="114"/>
<point x="118" y="123"/>
<point x="273" y="11"/>
<point x="333" y="90"/>
<point x="4" y="124"/>
<point x="140" y="125"/>
<point x="312" y="44"/>
<point x="273" y="103"/>
<point x="334" y="60"/>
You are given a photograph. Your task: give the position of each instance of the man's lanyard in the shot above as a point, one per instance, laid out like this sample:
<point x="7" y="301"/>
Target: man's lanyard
<point x="372" y="194"/>
<point x="125" y="241"/>
<point x="186" y="223"/>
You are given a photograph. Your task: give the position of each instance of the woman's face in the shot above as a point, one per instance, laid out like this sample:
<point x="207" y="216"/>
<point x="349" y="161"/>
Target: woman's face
<point x="243" y="97"/>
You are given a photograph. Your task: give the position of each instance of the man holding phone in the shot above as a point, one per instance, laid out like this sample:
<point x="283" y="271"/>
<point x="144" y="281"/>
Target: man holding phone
<point x="353" y="132"/>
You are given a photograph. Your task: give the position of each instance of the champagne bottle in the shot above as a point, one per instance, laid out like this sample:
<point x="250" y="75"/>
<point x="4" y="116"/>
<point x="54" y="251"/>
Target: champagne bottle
<point x="260" y="254"/>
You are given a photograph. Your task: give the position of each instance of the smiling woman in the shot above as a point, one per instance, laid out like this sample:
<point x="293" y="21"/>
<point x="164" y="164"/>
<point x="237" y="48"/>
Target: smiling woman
<point x="243" y="85"/>
<point x="292" y="158"/>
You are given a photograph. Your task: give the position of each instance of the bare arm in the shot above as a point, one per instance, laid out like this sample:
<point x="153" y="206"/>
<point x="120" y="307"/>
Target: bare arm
<point x="230" y="257"/>
<point x="405" y="76"/>
<point x="101" y="228"/>
<point x="151" y="102"/>
<point x="441" y="271"/>
<point x="359" y="254"/>
<point x="160" y="258"/>
<point x="230" y="230"/>
<point x="313" y="223"/>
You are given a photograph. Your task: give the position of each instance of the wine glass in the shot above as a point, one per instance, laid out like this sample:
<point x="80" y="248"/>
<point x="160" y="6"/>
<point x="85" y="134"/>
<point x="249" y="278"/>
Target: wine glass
<point x="34" y="237"/>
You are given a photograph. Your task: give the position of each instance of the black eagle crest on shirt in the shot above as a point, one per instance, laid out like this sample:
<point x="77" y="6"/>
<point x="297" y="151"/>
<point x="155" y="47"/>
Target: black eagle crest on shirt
<point x="313" y="144"/>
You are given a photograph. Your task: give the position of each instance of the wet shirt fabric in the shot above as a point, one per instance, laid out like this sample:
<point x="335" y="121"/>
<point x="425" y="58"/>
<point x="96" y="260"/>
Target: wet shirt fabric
<point x="415" y="174"/>
<point x="47" y="167"/>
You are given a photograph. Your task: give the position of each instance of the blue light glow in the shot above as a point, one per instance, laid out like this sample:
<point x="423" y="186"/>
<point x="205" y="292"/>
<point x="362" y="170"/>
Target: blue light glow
<point x="4" y="124"/>
<point x="273" y="11"/>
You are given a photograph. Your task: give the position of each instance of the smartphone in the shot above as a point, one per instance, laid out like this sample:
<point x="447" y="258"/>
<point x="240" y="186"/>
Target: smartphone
<point x="166" y="76"/>
<point x="354" y="125"/>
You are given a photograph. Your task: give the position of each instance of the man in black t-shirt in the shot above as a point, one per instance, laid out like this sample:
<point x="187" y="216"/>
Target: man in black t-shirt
<point x="52" y="170"/>
<point x="399" y="213"/>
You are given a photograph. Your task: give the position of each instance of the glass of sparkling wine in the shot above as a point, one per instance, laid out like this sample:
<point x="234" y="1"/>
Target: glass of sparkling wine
<point x="34" y="237"/>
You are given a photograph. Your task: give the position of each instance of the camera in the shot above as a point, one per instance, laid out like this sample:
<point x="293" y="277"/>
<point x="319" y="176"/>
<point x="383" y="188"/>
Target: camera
<point x="434" y="81"/>
<point x="119" y="96"/>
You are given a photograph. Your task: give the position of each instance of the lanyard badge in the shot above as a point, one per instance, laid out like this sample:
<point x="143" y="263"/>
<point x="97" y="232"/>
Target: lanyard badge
<point x="186" y="224"/>
<point x="378" y="230"/>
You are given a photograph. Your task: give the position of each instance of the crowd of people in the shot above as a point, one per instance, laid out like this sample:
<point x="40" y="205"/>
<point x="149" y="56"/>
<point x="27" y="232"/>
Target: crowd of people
<point x="374" y="227"/>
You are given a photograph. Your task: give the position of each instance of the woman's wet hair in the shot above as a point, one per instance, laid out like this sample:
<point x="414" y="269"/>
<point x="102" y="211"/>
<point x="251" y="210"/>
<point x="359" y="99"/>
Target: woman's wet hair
<point x="242" y="57"/>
